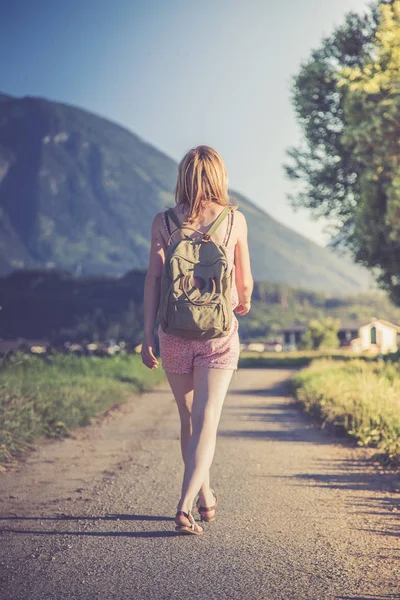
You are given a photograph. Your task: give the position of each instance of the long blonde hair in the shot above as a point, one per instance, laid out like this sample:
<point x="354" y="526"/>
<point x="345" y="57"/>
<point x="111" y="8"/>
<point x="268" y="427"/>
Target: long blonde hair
<point x="202" y="178"/>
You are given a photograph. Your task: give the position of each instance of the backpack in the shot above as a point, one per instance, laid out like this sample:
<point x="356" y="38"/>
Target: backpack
<point x="195" y="299"/>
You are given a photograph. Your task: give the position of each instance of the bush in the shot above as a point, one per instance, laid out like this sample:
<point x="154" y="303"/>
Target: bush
<point x="361" y="398"/>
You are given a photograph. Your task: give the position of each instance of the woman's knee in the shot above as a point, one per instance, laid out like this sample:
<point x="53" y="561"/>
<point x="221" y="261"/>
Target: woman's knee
<point x="205" y="419"/>
<point x="185" y="413"/>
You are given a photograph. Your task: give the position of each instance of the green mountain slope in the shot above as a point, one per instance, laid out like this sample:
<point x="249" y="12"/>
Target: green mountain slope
<point x="79" y="192"/>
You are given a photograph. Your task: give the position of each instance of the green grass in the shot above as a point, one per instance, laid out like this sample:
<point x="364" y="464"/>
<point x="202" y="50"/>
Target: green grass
<point x="361" y="398"/>
<point x="300" y="358"/>
<point x="47" y="397"/>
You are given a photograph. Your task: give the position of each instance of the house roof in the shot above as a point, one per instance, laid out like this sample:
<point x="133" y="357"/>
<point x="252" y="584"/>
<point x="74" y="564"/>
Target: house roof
<point x="384" y="322"/>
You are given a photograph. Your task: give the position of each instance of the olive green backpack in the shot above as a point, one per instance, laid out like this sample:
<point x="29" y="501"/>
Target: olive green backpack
<point x="195" y="300"/>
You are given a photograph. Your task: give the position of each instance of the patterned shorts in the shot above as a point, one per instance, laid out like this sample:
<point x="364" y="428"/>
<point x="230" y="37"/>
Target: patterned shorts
<point x="179" y="355"/>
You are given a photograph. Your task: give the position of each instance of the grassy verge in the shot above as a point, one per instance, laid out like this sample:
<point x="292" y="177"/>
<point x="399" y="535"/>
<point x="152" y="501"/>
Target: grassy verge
<point x="47" y="397"/>
<point x="361" y="398"/>
<point x="293" y="359"/>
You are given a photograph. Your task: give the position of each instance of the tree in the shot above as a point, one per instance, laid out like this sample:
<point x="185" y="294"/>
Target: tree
<point x="321" y="335"/>
<point x="372" y="134"/>
<point x="331" y="172"/>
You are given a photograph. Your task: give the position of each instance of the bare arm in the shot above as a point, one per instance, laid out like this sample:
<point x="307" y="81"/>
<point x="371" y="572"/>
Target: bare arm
<point x="152" y="287"/>
<point x="243" y="276"/>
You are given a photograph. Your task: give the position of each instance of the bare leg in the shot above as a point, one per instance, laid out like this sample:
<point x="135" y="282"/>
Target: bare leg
<point x="210" y="387"/>
<point x="182" y="388"/>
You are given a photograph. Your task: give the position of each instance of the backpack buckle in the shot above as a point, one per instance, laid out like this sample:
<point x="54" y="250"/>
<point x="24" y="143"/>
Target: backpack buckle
<point x="206" y="237"/>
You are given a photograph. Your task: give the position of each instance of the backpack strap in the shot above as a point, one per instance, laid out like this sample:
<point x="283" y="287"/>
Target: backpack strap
<point x="216" y="223"/>
<point x="170" y="213"/>
<point x="166" y="223"/>
<point x="229" y="228"/>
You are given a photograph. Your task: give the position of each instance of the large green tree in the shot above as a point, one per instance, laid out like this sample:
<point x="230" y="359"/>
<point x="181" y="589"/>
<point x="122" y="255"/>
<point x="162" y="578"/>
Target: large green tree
<point x="372" y="135"/>
<point x="331" y="165"/>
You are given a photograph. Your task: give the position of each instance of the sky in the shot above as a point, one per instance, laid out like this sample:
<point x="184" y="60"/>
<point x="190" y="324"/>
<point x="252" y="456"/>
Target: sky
<point x="180" y="73"/>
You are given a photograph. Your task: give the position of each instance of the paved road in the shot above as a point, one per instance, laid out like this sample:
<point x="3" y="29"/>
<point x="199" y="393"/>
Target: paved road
<point x="302" y="515"/>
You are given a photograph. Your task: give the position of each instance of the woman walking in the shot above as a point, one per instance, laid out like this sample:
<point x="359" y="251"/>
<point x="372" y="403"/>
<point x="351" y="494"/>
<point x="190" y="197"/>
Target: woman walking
<point x="198" y="370"/>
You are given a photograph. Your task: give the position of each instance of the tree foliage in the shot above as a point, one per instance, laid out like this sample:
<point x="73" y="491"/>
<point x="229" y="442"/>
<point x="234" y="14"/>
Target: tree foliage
<point x="321" y="334"/>
<point x="346" y="99"/>
<point x="372" y="135"/>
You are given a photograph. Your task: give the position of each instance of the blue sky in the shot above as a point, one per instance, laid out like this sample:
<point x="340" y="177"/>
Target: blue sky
<point x="179" y="74"/>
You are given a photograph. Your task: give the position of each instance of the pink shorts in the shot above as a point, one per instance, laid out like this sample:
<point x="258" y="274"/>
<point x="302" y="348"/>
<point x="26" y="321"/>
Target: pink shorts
<point x="179" y="355"/>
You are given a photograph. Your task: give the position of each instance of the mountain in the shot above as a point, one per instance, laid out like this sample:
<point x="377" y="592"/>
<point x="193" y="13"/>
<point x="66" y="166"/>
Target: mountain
<point x="79" y="192"/>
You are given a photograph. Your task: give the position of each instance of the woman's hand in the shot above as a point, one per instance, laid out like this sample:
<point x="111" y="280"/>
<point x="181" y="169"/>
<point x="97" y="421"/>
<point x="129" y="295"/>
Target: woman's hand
<point x="148" y="357"/>
<point x="243" y="308"/>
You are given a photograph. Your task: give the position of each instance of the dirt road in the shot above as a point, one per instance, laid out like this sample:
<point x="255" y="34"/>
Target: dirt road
<point x="302" y="514"/>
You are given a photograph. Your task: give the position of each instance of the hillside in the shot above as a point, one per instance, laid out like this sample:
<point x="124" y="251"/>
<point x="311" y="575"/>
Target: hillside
<point x="79" y="192"/>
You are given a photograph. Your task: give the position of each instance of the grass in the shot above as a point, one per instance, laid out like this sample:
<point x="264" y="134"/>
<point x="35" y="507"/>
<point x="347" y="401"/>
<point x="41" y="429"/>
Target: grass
<point x="299" y="358"/>
<point x="47" y="397"/>
<point x="359" y="397"/>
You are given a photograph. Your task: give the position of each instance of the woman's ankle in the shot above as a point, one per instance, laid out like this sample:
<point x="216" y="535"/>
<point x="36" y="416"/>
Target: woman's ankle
<point x="206" y="497"/>
<point x="184" y="506"/>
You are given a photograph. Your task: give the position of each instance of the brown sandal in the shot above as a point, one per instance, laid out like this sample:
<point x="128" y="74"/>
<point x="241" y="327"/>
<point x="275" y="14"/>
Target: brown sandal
<point x="204" y="509"/>
<point x="185" y="528"/>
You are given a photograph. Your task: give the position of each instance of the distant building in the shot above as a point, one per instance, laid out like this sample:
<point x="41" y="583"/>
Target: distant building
<point x="376" y="335"/>
<point x="380" y="335"/>
<point x="348" y="331"/>
<point x="293" y="335"/>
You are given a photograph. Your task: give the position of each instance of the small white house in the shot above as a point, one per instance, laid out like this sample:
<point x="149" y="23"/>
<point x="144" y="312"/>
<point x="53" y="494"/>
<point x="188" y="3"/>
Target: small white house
<point x="379" y="335"/>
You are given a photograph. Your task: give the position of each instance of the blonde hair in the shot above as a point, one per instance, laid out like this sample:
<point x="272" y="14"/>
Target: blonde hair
<point x="202" y="178"/>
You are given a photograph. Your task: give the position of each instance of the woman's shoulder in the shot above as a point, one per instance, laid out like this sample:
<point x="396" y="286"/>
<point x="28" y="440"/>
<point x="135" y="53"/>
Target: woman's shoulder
<point x="159" y="219"/>
<point x="239" y="219"/>
<point x="159" y="225"/>
<point x="161" y="216"/>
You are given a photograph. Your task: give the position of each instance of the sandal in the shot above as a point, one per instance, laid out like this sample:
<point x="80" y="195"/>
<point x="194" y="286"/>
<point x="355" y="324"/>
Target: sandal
<point x="205" y="509"/>
<point x="193" y="528"/>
